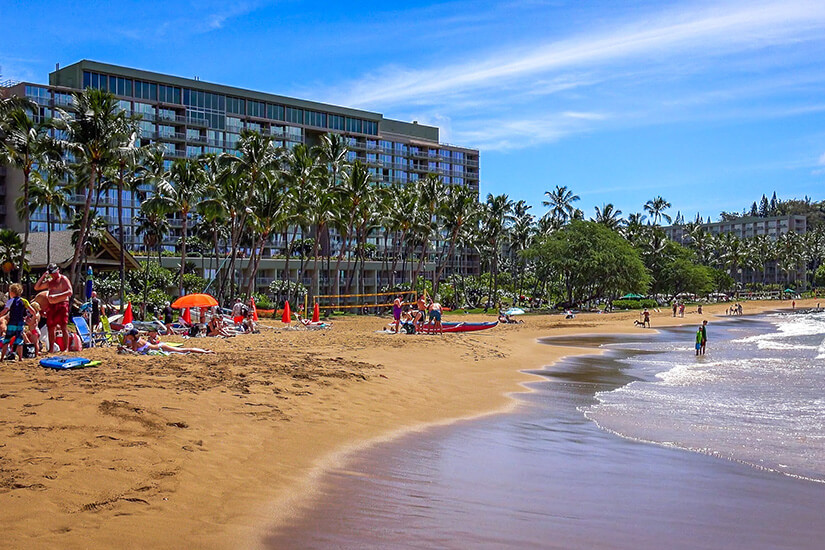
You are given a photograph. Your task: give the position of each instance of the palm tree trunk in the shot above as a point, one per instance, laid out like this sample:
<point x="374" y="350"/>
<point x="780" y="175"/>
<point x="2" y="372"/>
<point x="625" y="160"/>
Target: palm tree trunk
<point x="444" y="261"/>
<point x="48" y="234"/>
<point x="84" y="225"/>
<point x="338" y="263"/>
<point x="120" y="238"/>
<point x="184" y="216"/>
<point x="254" y="273"/>
<point x="26" y="222"/>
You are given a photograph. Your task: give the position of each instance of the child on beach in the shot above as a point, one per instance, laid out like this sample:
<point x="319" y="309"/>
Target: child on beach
<point x="16" y="309"/>
<point x="32" y="331"/>
<point x="699" y="336"/>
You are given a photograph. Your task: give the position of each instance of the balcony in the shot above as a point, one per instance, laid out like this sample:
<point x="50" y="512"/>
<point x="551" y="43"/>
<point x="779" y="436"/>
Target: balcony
<point x="193" y="121"/>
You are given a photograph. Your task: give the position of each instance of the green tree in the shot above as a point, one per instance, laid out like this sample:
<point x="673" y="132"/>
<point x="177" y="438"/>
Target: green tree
<point x="26" y="146"/>
<point x="49" y="193"/>
<point x="590" y="261"/>
<point x="656" y="208"/>
<point x="560" y="201"/>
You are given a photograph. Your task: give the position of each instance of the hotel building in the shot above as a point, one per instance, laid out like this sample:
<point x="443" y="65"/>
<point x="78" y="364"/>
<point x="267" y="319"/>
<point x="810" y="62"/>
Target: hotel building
<point x="189" y="117"/>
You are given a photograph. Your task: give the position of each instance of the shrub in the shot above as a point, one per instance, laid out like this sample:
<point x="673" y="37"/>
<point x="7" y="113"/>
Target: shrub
<point x="634" y="304"/>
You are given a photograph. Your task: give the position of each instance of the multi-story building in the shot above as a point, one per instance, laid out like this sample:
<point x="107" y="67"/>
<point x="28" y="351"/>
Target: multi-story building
<point x="188" y="117"/>
<point x="747" y="228"/>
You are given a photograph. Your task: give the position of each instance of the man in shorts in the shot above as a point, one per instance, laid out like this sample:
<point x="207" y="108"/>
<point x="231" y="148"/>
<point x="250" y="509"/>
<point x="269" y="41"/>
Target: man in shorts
<point x="60" y="296"/>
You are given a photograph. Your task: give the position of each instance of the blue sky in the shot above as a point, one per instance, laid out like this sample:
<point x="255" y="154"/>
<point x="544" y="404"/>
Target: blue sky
<point x="709" y="104"/>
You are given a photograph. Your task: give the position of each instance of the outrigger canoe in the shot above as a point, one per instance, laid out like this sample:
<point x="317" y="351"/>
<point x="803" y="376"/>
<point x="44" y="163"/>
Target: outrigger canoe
<point x="458" y="327"/>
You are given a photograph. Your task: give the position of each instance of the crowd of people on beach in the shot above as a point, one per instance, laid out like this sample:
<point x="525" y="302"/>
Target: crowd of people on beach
<point x="426" y="317"/>
<point x="49" y="322"/>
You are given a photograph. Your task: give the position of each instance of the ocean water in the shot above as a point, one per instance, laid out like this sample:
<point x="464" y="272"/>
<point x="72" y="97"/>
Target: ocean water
<point x="548" y="476"/>
<point x="756" y="397"/>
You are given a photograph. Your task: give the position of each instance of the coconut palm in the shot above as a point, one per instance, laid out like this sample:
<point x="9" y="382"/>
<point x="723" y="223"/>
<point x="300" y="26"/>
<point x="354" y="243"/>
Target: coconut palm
<point x="184" y="188"/>
<point x="560" y="201"/>
<point x="459" y="209"/>
<point x="432" y="193"/>
<point x="94" y="135"/>
<point x="498" y="208"/>
<point x="354" y="186"/>
<point x="240" y="173"/>
<point x="301" y="172"/>
<point x="50" y="194"/>
<point x="656" y="208"/>
<point x="26" y="146"/>
<point x="521" y="237"/>
<point x="609" y="216"/>
<point x="267" y="215"/>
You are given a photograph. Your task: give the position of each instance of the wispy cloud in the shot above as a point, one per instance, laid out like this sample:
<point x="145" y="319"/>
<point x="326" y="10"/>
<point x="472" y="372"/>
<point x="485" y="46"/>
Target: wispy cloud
<point x="565" y="77"/>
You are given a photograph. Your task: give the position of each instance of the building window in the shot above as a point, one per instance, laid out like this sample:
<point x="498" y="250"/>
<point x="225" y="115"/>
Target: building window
<point x="274" y="112"/>
<point x="370" y="127"/>
<point x="354" y="125"/>
<point x="256" y="108"/>
<point x="336" y="122"/>
<point x="295" y="116"/>
<point x="168" y="94"/>
<point x="314" y="118"/>
<point x="146" y="90"/>
<point x="234" y="105"/>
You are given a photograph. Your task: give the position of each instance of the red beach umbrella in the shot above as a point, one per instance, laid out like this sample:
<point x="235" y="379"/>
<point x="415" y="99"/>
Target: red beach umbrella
<point x="194" y="300"/>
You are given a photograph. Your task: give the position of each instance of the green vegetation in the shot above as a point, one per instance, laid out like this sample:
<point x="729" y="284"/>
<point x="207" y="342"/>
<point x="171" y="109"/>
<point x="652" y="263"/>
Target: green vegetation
<point x="319" y="206"/>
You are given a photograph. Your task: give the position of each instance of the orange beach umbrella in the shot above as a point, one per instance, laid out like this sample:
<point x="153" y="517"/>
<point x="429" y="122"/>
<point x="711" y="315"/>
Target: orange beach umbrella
<point x="194" y="300"/>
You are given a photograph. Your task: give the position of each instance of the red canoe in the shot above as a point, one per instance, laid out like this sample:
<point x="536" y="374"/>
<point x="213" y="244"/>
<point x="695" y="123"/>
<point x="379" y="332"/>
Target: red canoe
<point x="459" y="327"/>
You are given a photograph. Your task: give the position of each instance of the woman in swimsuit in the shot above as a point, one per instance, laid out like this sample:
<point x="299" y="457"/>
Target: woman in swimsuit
<point x="137" y="344"/>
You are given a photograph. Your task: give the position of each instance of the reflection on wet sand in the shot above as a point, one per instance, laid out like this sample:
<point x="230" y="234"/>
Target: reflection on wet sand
<point x="546" y="477"/>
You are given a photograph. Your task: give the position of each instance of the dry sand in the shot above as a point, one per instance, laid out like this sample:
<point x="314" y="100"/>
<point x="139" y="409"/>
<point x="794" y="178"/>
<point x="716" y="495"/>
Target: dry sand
<point x="211" y="451"/>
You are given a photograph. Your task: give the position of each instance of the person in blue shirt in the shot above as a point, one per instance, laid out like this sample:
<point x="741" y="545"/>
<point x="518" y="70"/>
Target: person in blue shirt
<point x="16" y="308"/>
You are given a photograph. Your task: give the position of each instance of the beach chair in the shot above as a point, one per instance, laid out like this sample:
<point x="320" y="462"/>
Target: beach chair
<point x="84" y="332"/>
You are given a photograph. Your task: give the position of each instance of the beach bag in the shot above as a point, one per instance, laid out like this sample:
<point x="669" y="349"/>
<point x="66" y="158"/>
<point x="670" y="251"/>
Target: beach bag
<point x="28" y="351"/>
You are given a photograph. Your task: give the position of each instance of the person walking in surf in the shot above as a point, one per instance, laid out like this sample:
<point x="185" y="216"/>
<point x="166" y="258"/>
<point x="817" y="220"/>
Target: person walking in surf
<point x="704" y="329"/>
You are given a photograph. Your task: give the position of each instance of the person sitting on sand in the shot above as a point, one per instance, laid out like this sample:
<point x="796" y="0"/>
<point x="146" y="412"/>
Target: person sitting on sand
<point x="216" y="328"/>
<point x="133" y="342"/>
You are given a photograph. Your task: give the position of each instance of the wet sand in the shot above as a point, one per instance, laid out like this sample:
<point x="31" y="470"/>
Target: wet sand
<point x="212" y="451"/>
<point x="545" y="477"/>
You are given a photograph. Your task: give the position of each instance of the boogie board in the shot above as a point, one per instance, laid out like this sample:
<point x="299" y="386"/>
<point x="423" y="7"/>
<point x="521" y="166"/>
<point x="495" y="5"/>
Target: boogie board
<point x="64" y="363"/>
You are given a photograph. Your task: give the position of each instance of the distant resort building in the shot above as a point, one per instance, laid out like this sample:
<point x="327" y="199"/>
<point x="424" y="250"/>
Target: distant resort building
<point x="747" y="228"/>
<point x="188" y="117"/>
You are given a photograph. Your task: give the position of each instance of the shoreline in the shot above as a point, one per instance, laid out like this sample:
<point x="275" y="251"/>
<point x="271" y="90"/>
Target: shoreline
<point x="246" y="441"/>
<point x="475" y="484"/>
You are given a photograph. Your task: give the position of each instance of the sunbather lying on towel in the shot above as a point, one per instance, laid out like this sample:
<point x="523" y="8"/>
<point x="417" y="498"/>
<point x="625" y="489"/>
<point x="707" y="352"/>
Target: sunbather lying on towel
<point x="135" y="343"/>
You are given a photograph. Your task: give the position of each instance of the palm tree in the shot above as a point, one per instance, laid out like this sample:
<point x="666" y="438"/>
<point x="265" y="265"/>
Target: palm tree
<point x="498" y="208"/>
<point x="184" y="189"/>
<point x="26" y="146"/>
<point x="656" y="208"/>
<point x="256" y="158"/>
<point x="432" y="193"/>
<point x="609" y="216"/>
<point x="521" y="237"/>
<point x="302" y="173"/>
<point x="353" y="187"/>
<point x="95" y="135"/>
<point x="267" y="215"/>
<point x="126" y="174"/>
<point x="49" y="193"/>
<point x="459" y="208"/>
<point x="560" y="200"/>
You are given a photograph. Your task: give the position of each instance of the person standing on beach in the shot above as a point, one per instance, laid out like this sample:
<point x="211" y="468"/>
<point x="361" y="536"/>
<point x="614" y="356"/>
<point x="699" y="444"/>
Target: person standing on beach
<point x="646" y="321"/>
<point x="704" y="329"/>
<point x="435" y="316"/>
<point x="421" y="316"/>
<point x="675" y="305"/>
<point x="60" y="295"/>
<point x="397" y="305"/>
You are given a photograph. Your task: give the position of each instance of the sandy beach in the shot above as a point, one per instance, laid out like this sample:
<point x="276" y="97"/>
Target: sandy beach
<point x="212" y="451"/>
